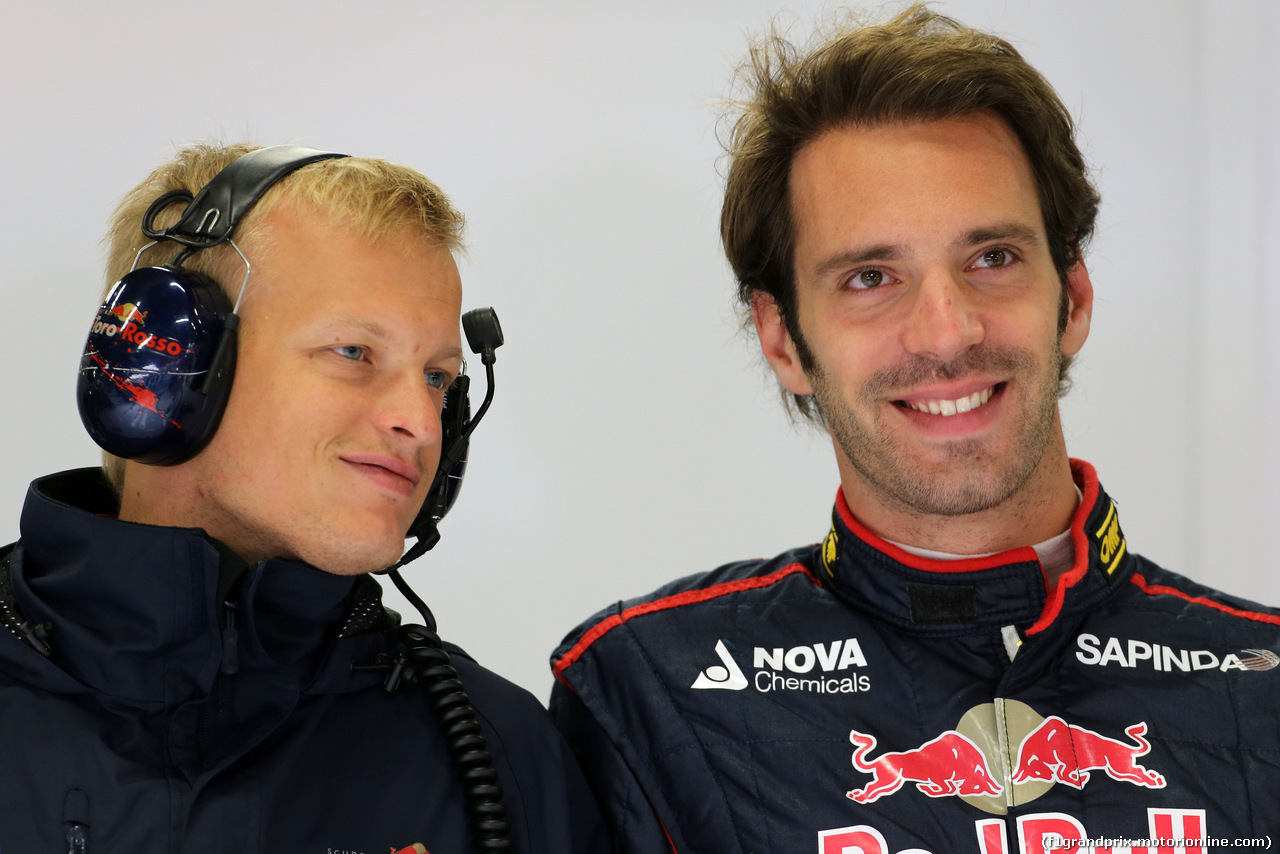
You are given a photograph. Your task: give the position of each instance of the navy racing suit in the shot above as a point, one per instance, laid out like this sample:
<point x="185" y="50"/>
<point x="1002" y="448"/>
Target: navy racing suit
<point x="851" y="696"/>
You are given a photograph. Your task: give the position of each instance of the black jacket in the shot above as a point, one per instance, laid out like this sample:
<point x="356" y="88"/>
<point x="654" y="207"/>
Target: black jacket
<point x="167" y="720"/>
<point x="853" y="697"/>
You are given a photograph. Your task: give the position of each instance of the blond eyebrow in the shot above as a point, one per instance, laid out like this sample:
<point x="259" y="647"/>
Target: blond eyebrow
<point x="380" y="332"/>
<point x="377" y="330"/>
<point x="452" y="353"/>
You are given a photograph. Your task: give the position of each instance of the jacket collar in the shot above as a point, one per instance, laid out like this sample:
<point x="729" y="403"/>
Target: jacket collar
<point x="950" y="597"/>
<point x="139" y="611"/>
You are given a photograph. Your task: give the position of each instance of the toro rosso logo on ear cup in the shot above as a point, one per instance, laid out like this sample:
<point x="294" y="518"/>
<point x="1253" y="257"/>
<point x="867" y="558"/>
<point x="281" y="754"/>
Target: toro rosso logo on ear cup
<point x="125" y="323"/>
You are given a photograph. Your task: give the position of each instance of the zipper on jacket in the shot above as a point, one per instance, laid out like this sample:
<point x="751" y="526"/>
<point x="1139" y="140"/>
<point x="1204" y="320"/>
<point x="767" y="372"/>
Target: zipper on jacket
<point x="75" y="819"/>
<point x="77" y="838"/>
<point x="1012" y="641"/>
<point x="230" y="640"/>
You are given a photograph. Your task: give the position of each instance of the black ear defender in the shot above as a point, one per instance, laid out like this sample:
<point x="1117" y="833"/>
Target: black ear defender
<point x="159" y="360"/>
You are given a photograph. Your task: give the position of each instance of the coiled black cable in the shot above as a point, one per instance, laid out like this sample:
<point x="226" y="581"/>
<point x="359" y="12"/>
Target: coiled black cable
<point x="420" y="658"/>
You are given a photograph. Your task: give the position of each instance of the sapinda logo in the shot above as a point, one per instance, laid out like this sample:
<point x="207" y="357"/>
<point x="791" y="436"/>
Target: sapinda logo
<point x="1135" y="653"/>
<point x="772" y="664"/>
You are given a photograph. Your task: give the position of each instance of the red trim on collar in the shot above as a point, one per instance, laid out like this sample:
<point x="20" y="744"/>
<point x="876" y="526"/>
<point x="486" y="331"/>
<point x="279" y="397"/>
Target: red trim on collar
<point x="689" y="597"/>
<point x="1087" y="479"/>
<point x="966" y="564"/>
<point x="1165" y="590"/>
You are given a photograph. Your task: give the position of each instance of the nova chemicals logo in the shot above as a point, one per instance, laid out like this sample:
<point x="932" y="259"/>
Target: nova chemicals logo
<point x="822" y="668"/>
<point x="729" y="676"/>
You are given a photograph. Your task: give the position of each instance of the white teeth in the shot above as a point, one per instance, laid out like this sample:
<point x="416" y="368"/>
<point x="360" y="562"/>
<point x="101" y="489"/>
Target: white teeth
<point x="951" y="407"/>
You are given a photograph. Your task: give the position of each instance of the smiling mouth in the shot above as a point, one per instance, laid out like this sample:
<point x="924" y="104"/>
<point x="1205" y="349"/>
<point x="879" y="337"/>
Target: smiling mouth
<point x="947" y="408"/>
<point x="398" y="475"/>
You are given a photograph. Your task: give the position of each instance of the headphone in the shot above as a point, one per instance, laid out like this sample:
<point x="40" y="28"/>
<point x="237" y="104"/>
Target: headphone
<point x="157" y="367"/>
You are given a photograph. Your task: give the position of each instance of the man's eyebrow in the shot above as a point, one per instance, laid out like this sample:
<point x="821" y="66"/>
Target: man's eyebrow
<point x="377" y="330"/>
<point x="451" y="353"/>
<point x="859" y="255"/>
<point x="893" y="252"/>
<point x="1000" y="231"/>
<point x="380" y="332"/>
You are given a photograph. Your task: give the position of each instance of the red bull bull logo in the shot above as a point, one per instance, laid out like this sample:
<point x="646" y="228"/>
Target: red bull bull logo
<point x="126" y="312"/>
<point x="1030" y="755"/>
<point x="950" y="764"/>
<point x="1061" y="753"/>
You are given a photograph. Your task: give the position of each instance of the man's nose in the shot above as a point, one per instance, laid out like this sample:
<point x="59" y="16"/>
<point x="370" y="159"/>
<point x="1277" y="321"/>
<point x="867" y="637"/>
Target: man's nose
<point x="408" y="409"/>
<point x="943" y="321"/>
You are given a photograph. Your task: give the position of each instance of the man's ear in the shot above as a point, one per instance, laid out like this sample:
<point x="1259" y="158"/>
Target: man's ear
<point x="776" y="344"/>
<point x="1079" y="309"/>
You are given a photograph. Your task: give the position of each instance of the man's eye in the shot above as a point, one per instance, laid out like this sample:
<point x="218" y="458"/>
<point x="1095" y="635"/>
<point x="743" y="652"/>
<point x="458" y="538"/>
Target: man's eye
<point x="350" y="351"/>
<point x="437" y="379"/>
<point x="995" y="258"/>
<point x="864" y="280"/>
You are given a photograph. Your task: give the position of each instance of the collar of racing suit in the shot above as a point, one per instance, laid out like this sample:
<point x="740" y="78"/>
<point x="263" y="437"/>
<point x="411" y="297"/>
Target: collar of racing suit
<point x="151" y="615"/>
<point x="952" y="597"/>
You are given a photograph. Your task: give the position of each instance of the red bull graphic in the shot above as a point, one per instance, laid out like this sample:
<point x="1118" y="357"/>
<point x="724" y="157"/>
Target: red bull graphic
<point x="950" y="764"/>
<point x="144" y="397"/>
<point x="1059" y="752"/>
<point x="126" y="312"/>
<point x="1029" y="753"/>
<point x="1171" y="831"/>
<point x="415" y="848"/>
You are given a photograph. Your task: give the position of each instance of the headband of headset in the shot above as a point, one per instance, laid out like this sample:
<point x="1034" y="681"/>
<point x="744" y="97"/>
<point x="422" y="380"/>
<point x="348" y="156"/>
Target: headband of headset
<point x="212" y="215"/>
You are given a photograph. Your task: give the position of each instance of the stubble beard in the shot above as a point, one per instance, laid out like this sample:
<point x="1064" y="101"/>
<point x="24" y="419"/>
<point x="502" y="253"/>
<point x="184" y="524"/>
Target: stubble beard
<point x="969" y="478"/>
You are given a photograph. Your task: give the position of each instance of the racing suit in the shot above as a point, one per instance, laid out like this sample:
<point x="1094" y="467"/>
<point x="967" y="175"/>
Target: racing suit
<point x="192" y="703"/>
<point x="857" y="698"/>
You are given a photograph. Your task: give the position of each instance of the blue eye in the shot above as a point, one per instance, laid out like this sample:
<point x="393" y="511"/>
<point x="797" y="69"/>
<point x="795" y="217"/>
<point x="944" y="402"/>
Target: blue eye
<point x="353" y="352"/>
<point x="437" y="379"/>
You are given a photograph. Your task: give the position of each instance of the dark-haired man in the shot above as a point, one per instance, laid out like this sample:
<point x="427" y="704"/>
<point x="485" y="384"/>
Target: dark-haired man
<point x="972" y="660"/>
<point x="194" y="654"/>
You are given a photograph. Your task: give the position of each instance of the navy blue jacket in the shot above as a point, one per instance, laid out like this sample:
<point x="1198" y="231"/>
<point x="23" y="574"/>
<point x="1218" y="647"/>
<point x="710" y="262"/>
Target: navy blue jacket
<point x="165" y="721"/>
<point x="852" y="697"/>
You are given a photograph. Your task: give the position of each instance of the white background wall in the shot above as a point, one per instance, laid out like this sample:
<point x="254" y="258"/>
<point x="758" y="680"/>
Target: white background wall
<point x="635" y="436"/>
